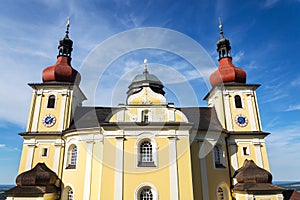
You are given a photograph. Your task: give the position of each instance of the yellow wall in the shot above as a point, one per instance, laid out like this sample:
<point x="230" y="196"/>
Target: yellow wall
<point x="108" y="169"/>
<point x="96" y="174"/>
<point x="75" y="177"/>
<point x="244" y="111"/>
<point x="134" y="176"/>
<point x="23" y="159"/>
<point x="54" y="111"/>
<point x="184" y="169"/>
<point x="196" y="172"/>
<point x="47" y="160"/>
<point x="216" y="176"/>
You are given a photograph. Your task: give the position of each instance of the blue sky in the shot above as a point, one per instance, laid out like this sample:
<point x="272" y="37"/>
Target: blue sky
<point x="264" y="36"/>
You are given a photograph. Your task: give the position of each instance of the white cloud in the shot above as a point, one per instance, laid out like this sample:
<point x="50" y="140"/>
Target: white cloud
<point x="296" y="82"/>
<point x="114" y="48"/>
<point x="2" y="145"/>
<point x="238" y="56"/>
<point x="269" y="3"/>
<point x="293" y="107"/>
<point x="283" y="149"/>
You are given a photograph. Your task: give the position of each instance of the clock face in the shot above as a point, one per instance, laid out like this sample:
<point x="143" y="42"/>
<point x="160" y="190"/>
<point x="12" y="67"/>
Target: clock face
<point x="241" y="120"/>
<point x="49" y="120"/>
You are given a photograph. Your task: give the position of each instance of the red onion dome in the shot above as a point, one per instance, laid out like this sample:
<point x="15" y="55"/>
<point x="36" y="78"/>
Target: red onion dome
<point x="62" y="70"/>
<point x="226" y="71"/>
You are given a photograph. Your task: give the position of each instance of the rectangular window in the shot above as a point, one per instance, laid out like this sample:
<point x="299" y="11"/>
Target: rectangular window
<point x="246" y="151"/>
<point x="44" y="152"/>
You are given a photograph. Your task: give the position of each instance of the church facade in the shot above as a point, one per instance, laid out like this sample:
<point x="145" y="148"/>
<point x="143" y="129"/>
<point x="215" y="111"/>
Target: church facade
<point x="145" y="149"/>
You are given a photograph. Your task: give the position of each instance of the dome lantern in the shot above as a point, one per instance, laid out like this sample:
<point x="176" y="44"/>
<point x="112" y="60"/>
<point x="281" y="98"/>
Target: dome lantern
<point x="145" y="80"/>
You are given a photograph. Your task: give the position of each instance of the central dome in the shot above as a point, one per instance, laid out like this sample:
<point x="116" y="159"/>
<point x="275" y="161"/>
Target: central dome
<point x="146" y="77"/>
<point x="145" y="80"/>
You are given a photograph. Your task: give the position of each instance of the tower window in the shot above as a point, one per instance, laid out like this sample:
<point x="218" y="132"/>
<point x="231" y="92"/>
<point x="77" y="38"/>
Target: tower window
<point x="218" y="157"/>
<point x="246" y="151"/>
<point x="72" y="157"/>
<point x="146" y="155"/>
<point x="51" y="101"/>
<point x="44" y="152"/>
<point x="238" y="101"/>
<point x="146" y="194"/>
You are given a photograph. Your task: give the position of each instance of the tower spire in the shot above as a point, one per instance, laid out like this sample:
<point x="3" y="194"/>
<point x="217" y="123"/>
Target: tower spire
<point x="65" y="44"/>
<point x="221" y="28"/>
<point x="67" y="27"/>
<point x="223" y="44"/>
<point x="145" y="66"/>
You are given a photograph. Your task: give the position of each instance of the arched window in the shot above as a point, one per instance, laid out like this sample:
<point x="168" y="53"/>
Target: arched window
<point x="238" y="101"/>
<point x="146" y="194"/>
<point x="51" y="101"/>
<point x="146" y="191"/>
<point x="218" y="157"/>
<point x="72" y="157"/>
<point x="70" y="194"/>
<point x="146" y="154"/>
<point x="222" y="191"/>
<point x="220" y="194"/>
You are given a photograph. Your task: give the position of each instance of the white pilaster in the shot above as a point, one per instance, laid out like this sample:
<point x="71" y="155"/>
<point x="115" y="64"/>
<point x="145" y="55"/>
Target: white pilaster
<point x="227" y="111"/>
<point x="100" y="173"/>
<point x="251" y="113"/>
<point x="36" y="112"/>
<point x="56" y="156"/>
<point x="119" y="168"/>
<point x="173" y="169"/>
<point x="204" y="179"/>
<point x="257" y="146"/>
<point x="62" y="111"/>
<point x="88" y="169"/>
<point x="234" y="158"/>
<point x="30" y="153"/>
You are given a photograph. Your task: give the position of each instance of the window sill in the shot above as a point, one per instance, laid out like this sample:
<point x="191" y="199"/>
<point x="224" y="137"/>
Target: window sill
<point x="146" y="164"/>
<point x="71" y="167"/>
<point x="219" y="166"/>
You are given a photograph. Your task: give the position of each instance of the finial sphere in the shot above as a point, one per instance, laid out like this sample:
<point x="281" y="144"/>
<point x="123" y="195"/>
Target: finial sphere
<point x="145" y="61"/>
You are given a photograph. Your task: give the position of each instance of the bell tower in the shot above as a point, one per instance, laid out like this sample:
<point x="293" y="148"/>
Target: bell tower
<point x="53" y="103"/>
<point x="234" y="100"/>
<point x="54" y="100"/>
<point x="236" y="105"/>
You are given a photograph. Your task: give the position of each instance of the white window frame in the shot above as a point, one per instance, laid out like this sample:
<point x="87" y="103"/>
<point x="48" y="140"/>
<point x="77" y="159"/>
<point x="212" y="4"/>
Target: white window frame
<point x="247" y="150"/>
<point x="225" y="189"/>
<point x="69" y="157"/>
<point x="68" y="197"/>
<point x="222" y="157"/>
<point x="42" y="151"/>
<point x="55" y="102"/>
<point x="146" y="185"/>
<point x="65" y="194"/>
<point x="242" y="102"/>
<point x="140" y="140"/>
